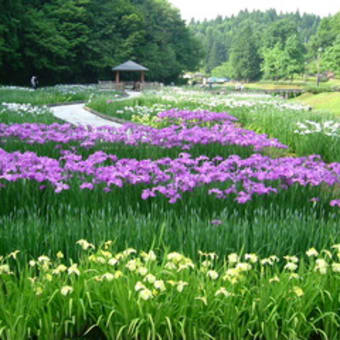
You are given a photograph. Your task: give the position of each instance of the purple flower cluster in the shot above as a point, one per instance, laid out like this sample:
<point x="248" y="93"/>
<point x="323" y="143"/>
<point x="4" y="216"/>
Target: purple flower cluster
<point x="131" y="134"/>
<point x="15" y="166"/>
<point x="201" y="116"/>
<point x="240" y="178"/>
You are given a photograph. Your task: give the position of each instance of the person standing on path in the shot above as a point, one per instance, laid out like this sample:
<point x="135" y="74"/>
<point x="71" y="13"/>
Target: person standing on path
<point x="34" y="82"/>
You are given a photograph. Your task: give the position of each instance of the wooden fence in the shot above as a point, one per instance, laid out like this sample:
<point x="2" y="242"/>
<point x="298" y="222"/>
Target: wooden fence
<point x="285" y="93"/>
<point x="128" y="85"/>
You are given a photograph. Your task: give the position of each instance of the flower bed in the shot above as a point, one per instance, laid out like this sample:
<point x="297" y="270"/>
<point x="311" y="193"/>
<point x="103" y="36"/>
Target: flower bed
<point x="173" y="136"/>
<point x="59" y="183"/>
<point x="136" y="294"/>
<point x="244" y="178"/>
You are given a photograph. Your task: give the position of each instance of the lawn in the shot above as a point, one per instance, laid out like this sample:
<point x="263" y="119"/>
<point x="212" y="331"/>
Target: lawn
<point x="204" y="217"/>
<point x="273" y="86"/>
<point x="327" y="101"/>
<point x="298" y="83"/>
<point x="52" y="95"/>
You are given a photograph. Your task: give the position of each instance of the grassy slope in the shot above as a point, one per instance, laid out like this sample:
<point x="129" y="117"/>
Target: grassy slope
<point x="327" y="101"/>
<point x="288" y="84"/>
<point x="272" y="86"/>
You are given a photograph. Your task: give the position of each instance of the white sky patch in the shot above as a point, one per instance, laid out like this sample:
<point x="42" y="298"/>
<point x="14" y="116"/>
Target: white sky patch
<point x="210" y="9"/>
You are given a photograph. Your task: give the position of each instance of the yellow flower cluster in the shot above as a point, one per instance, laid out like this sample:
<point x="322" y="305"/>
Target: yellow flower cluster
<point x="157" y="122"/>
<point x="142" y="274"/>
<point x="4" y="269"/>
<point x="85" y="245"/>
<point x="178" y="262"/>
<point x="148" y="119"/>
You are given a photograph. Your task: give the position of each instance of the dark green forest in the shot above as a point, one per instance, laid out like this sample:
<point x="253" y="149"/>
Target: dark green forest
<point x="270" y="45"/>
<point x="79" y="41"/>
<point x="72" y="41"/>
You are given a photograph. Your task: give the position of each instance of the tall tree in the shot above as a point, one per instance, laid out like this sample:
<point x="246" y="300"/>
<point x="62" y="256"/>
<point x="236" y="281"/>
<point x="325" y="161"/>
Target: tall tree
<point x="244" y="57"/>
<point x="269" y="28"/>
<point x="294" y="60"/>
<point x="218" y="53"/>
<point x="279" y="32"/>
<point x="81" y="40"/>
<point x="273" y="60"/>
<point x="55" y="34"/>
<point x="11" y="12"/>
<point x="169" y="46"/>
<point x="323" y="46"/>
<point x="224" y="70"/>
<point x="117" y="30"/>
<point x="324" y="37"/>
<point x="331" y="57"/>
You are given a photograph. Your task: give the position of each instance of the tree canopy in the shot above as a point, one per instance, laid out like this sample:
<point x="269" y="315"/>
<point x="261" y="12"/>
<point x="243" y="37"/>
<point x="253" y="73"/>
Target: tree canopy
<point x="244" y="55"/>
<point x="74" y="41"/>
<point x="273" y="45"/>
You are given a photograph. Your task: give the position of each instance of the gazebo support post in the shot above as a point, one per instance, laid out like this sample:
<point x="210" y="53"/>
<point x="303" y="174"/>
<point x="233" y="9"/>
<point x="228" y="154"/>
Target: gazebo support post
<point x="117" y="76"/>
<point x="142" y="77"/>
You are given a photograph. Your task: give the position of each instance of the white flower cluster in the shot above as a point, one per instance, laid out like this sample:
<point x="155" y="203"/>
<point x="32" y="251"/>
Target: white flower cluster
<point x="19" y="88"/>
<point x="232" y="100"/>
<point x="72" y="89"/>
<point x="24" y="109"/>
<point x="329" y="128"/>
<point x="75" y="87"/>
<point x="145" y="110"/>
<point x="250" y="95"/>
<point x="293" y="106"/>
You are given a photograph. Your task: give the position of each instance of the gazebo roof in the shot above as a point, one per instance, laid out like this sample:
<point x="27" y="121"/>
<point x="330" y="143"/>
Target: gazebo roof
<point x="130" y="66"/>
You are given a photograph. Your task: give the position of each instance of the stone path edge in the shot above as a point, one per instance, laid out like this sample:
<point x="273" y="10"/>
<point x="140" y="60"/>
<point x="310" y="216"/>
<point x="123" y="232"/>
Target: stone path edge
<point x="66" y="103"/>
<point x="112" y="119"/>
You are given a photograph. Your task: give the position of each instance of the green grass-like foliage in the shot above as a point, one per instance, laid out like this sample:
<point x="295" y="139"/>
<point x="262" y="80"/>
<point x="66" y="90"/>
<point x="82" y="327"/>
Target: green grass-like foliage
<point x="141" y="295"/>
<point x="26" y="113"/>
<point x="209" y="270"/>
<point x="277" y="120"/>
<point x="183" y="228"/>
<point x="52" y="95"/>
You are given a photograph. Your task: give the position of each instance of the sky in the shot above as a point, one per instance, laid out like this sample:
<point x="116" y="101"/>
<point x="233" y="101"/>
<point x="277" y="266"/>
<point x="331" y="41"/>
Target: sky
<point x="210" y="9"/>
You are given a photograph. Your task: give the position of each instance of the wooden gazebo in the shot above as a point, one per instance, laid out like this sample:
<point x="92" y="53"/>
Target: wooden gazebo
<point x="130" y="66"/>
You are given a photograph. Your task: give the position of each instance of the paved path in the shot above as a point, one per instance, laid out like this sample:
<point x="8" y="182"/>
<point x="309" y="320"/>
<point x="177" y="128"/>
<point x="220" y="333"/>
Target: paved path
<point x="77" y="115"/>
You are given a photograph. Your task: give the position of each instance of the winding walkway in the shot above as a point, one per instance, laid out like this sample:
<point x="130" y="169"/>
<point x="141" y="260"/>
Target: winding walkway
<point x="76" y="114"/>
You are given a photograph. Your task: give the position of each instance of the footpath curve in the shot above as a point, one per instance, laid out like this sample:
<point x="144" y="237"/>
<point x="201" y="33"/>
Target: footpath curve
<point x="76" y="114"/>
